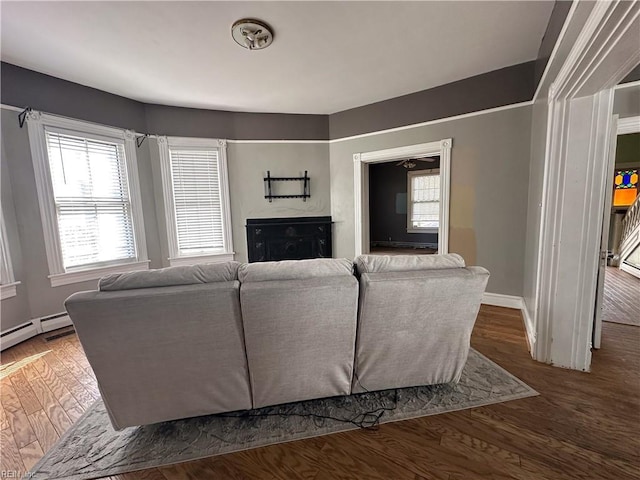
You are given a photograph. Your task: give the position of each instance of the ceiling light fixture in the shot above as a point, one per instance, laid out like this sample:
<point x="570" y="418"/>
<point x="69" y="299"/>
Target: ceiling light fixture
<point x="252" y="34"/>
<point x="411" y="162"/>
<point x="406" y="163"/>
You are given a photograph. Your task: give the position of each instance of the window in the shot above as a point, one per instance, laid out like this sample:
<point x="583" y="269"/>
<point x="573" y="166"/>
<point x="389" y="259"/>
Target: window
<point x="626" y="187"/>
<point x="89" y="198"/>
<point x="194" y="176"/>
<point x="7" y="281"/>
<point x="423" y="214"/>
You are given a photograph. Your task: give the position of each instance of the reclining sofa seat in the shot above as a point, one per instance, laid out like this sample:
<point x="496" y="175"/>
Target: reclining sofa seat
<point x="299" y="320"/>
<point x="187" y="341"/>
<point x="165" y="344"/>
<point x="415" y="319"/>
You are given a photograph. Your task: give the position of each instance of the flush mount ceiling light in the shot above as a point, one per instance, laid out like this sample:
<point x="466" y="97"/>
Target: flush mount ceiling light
<point x="252" y="34"/>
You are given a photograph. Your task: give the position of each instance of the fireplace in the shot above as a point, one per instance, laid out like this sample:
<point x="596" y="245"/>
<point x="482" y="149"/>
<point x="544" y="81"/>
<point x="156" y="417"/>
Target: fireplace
<point x="297" y="238"/>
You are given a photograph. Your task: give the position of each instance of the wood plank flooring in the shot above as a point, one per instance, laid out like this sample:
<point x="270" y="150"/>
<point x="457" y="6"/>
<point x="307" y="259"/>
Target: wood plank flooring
<point x="582" y="426"/>
<point x="621" y="303"/>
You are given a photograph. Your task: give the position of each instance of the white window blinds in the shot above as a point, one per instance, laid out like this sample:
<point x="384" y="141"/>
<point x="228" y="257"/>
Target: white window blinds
<point x="425" y="201"/>
<point x="195" y="178"/>
<point x="92" y="200"/>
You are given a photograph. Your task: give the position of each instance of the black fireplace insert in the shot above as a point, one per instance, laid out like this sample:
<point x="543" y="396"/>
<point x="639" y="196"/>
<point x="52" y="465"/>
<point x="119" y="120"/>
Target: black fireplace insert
<point x="296" y="238"/>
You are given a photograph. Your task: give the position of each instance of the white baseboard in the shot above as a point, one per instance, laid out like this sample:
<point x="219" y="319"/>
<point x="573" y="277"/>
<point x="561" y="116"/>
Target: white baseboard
<point x="500" y="300"/>
<point x="512" y="301"/>
<point x="32" y="328"/>
<point x="18" y="334"/>
<point x="55" y="323"/>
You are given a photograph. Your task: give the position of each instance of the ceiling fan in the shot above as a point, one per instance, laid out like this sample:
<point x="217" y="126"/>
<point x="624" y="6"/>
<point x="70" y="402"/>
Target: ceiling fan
<point x="410" y="162"/>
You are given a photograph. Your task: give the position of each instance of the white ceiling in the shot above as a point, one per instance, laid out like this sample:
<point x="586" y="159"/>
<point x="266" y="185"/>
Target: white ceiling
<point x="326" y="56"/>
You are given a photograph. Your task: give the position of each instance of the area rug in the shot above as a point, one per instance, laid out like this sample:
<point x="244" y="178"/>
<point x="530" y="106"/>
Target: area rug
<point x="92" y="449"/>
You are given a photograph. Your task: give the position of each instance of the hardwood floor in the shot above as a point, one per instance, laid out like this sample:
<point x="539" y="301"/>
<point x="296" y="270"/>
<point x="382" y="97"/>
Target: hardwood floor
<point x="621" y="303"/>
<point x="582" y="426"/>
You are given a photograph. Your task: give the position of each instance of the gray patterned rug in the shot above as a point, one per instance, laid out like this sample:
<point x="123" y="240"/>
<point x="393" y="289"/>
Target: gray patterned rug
<point x="92" y="449"/>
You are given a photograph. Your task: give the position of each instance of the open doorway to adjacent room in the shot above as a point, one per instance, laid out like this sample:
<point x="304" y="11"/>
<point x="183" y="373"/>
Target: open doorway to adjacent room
<point x="621" y="303"/>
<point x="618" y="289"/>
<point x="404" y="206"/>
<point x="417" y="205"/>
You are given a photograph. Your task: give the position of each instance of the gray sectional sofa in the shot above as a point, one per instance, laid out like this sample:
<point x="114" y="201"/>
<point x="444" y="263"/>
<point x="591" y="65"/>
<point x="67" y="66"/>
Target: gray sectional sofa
<point x="187" y="341"/>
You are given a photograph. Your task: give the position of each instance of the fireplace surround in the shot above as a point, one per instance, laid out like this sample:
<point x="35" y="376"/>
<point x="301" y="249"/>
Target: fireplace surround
<point x="293" y="238"/>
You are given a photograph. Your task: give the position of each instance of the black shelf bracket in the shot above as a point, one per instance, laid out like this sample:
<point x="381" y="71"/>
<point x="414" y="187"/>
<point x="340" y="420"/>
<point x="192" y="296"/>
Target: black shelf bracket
<point x="305" y="186"/>
<point x="22" y="116"/>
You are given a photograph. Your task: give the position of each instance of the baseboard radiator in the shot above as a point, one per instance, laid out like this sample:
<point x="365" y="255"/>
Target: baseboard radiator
<point x="34" y="327"/>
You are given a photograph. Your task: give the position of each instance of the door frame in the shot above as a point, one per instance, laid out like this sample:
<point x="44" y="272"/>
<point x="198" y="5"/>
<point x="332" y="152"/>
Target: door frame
<point x="361" y="162"/>
<point x="580" y="109"/>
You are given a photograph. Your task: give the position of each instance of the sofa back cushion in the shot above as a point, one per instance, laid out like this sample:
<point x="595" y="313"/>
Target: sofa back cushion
<point x="171" y="276"/>
<point x="165" y="353"/>
<point x="295" y="269"/>
<point x="406" y="263"/>
<point x="414" y="327"/>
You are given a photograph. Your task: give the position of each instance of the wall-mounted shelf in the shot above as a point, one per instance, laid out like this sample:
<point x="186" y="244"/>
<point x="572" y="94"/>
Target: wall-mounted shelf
<point x="306" y="181"/>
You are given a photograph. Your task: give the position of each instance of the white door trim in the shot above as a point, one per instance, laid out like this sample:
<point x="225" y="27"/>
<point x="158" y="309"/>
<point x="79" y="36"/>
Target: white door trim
<point x="361" y="163"/>
<point x="575" y="179"/>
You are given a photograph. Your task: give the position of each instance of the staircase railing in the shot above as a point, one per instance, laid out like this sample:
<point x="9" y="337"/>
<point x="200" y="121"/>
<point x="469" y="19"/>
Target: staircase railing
<point x="630" y="230"/>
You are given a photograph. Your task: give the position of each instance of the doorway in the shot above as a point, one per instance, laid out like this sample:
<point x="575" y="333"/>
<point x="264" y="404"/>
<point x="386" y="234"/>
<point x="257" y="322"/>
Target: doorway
<point x="404" y="199"/>
<point x="362" y="163"/>
<point x="620" y="300"/>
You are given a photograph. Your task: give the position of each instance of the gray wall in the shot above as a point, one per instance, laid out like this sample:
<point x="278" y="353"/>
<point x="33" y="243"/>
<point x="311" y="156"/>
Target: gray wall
<point x="15" y="310"/>
<point x="489" y="178"/>
<point x="27" y="245"/>
<point x="534" y="205"/>
<point x="626" y="102"/>
<point x="387" y="181"/>
<point x="247" y="165"/>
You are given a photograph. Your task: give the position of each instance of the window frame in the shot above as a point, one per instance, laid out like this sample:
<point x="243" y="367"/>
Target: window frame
<point x="37" y="124"/>
<point x="8" y="289"/>
<point x="420" y="173"/>
<point x="165" y="144"/>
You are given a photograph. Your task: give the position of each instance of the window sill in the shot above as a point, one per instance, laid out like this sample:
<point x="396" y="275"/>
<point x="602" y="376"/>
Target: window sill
<point x="423" y="230"/>
<point x="68" y="278"/>
<point x="9" y="290"/>
<point x="215" y="258"/>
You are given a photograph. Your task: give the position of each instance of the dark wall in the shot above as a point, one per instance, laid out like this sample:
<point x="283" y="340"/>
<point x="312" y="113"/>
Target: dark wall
<point x="628" y="149"/>
<point x="194" y="122"/>
<point x="551" y="34"/>
<point x="633" y="76"/>
<point x="502" y="87"/>
<point x="25" y="88"/>
<point x="21" y="87"/>
<point x="386" y="223"/>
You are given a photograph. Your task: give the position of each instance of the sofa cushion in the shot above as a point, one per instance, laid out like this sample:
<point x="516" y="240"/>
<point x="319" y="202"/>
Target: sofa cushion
<point x="294" y="269"/>
<point x="165" y="277"/>
<point x="407" y="263"/>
